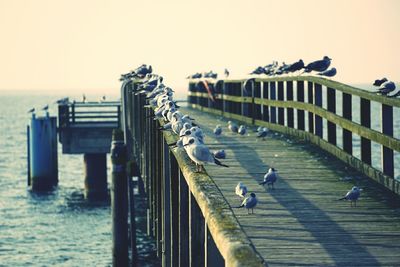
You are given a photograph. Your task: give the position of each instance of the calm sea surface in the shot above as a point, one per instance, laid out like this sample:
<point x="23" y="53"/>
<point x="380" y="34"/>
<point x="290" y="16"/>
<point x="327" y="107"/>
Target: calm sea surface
<point x="54" y="229"/>
<point x="61" y="228"/>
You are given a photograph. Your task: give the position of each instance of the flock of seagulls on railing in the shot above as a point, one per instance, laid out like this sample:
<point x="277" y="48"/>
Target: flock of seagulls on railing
<point x="191" y="136"/>
<point x="318" y="67"/>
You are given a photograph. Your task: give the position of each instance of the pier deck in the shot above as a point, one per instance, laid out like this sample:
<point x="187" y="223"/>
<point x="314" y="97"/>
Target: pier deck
<point x="301" y="222"/>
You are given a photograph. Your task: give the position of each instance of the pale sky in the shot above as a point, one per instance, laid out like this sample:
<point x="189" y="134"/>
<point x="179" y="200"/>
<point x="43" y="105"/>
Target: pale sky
<point x="84" y="45"/>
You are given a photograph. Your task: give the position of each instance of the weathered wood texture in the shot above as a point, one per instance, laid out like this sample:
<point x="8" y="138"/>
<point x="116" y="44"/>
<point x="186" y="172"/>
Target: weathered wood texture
<point x="301" y="222"/>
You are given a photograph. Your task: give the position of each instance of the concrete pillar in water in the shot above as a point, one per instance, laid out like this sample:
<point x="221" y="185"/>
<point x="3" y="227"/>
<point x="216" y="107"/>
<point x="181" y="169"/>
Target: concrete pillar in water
<point x="43" y="153"/>
<point x="95" y="176"/>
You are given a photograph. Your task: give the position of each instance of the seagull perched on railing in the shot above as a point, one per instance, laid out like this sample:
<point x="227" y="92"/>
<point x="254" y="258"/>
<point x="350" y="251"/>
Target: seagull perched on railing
<point x="386" y="88"/>
<point x="352" y="195"/>
<point x="319" y="65"/>
<point x="328" y="73"/>
<point x="270" y="178"/>
<point x="83" y="98"/>
<point x="200" y="154"/>
<point x="226" y="72"/>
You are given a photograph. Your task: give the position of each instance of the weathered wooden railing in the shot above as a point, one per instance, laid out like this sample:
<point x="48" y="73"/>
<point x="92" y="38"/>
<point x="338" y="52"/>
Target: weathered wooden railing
<point x="79" y="113"/>
<point x="189" y="217"/>
<point x="308" y="107"/>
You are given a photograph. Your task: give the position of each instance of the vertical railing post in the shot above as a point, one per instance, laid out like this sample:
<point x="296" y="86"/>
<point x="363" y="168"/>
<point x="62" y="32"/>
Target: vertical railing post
<point x="310" y="87"/>
<point x="387" y="129"/>
<point x="347" y="114"/>
<point x="135" y="173"/>
<point x="166" y="208"/>
<point x="272" y="87"/>
<point x="300" y="112"/>
<point x="365" y="115"/>
<point x="174" y="210"/>
<point x="331" y="105"/>
<point x="281" y="111"/>
<point x="159" y="195"/>
<point x="212" y="255"/>
<point x="184" y="196"/>
<point x="265" y="107"/>
<point x="289" y="97"/>
<point x="119" y="201"/>
<point x="318" y="102"/>
<point x="196" y="234"/>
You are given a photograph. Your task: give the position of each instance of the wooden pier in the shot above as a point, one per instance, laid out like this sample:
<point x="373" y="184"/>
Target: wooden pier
<point x="301" y="222"/>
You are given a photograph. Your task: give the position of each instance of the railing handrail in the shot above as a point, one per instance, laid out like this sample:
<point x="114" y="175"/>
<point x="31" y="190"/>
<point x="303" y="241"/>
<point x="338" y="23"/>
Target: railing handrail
<point x="395" y="102"/>
<point x="248" y="106"/>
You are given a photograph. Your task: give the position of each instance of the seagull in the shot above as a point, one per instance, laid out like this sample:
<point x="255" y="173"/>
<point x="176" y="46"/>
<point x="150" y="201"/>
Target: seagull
<point x="249" y="203"/>
<point x="200" y="154"/>
<point x="83" y="98"/>
<point x="32" y="110"/>
<point x="319" y="65"/>
<point x="379" y="82"/>
<point x="328" y="73"/>
<point x="218" y="130"/>
<point x="45" y="108"/>
<point x="386" y="88"/>
<point x="242" y="130"/>
<point x="226" y="72"/>
<point x="102" y="99"/>
<point x="241" y="190"/>
<point x="352" y="195"/>
<point x="220" y="154"/>
<point x="395" y="93"/>
<point x="63" y="101"/>
<point x="295" y="66"/>
<point x="233" y="127"/>
<point x="262" y="133"/>
<point x="270" y="178"/>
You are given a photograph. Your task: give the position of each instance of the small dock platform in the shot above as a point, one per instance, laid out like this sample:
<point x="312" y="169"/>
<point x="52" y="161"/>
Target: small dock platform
<point x="301" y="222"/>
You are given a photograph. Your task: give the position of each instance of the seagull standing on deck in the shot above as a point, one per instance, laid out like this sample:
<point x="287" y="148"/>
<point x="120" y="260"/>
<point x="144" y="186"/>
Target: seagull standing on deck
<point x="218" y="130"/>
<point x="270" y="178"/>
<point x="233" y="127"/>
<point x="241" y="190"/>
<point x="352" y="195"/>
<point x="242" y="130"/>
<point x="249" y="203"/>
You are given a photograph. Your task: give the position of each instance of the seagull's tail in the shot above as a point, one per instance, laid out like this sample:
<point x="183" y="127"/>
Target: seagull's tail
<point x="342" y="198"/>
<point x="262" y="183"/>
<point x="237" y="207"/>
<point x="219" y="163"/>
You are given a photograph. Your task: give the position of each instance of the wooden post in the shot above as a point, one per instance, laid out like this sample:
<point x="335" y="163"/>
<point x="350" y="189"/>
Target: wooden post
<point x="174" y="211"/>
<point x="387" y="128"/>
<point x="347" y="114"/>
<point x="265" y="96"/>
<point x="300" y="112"/>
<point x="289" y="97"/>
<point x="257" y="107"/>
<point x="365" y="115"/>
<point x="28" y="156"/>
<point x="318" y="102"/>
<point x="166" y="209"/>
<point x="184" y="196"/>
<point x="272" y="87"/>
<point x="310" y="86"/>
<point x="331" y="97"/>
<point x="159" y="196"/>
<point x="281" y="111"/>
<point x="135" y="173"/>
<point x="119" y="201"/>
<point x="212" y="255"/>
<point x="196" y="234"/>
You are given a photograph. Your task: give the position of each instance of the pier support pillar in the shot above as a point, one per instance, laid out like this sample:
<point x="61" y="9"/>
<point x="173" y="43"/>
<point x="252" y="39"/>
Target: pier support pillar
<point x="95" y="176"/>
<point x="42" y="155"/>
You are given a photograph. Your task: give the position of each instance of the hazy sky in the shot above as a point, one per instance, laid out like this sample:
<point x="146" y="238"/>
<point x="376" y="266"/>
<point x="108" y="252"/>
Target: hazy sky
<point x="84" y="45"/>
